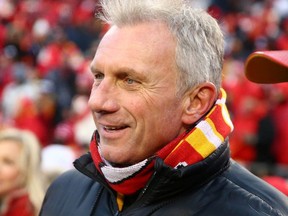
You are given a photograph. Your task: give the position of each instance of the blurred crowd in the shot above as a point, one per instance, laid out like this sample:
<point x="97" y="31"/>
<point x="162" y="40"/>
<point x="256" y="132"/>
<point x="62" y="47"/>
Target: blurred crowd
<point x="46" y="47"/>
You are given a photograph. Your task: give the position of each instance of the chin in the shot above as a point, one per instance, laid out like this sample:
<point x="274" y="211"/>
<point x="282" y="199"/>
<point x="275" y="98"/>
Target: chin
<point x="116" y="159"/>
<point x="120" y="163"/>
<point x="119" y="158"/>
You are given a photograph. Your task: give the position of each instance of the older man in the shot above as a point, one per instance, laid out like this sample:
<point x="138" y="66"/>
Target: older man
<point x="161" y="145"/>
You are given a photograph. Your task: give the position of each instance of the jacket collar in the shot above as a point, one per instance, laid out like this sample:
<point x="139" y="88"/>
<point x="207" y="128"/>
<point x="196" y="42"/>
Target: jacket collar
<point x="167" y="181"/>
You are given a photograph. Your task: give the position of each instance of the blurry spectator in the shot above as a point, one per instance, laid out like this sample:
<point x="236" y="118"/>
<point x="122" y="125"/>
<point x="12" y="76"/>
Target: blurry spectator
<point x="75" y="131"/>
<point x="83" y="124"/>
<point x="266" y="133"/>
<point x="71" y="139"/>
<point x="27" y="103"/>
<point x="280" y="117"/>
<point x="6" y="68"/>
<point x="19" y="89"/>
<point x="56" y="159"/>
<point x="21" y="184"/>
<point x="282" y="40"/>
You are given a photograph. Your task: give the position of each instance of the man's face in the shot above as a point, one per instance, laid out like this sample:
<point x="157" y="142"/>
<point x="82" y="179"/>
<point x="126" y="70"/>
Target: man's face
<point x="133" y="98"/>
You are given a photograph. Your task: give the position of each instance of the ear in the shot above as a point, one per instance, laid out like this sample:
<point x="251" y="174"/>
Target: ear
<point x="198" y="101"/>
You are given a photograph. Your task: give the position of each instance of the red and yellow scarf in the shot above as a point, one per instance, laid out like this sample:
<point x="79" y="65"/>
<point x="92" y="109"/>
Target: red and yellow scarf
<point x="189" y="148"/>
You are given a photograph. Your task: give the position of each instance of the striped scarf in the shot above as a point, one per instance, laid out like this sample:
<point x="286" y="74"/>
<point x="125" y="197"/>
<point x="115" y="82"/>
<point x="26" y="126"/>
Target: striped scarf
<point x="188" y="148"/>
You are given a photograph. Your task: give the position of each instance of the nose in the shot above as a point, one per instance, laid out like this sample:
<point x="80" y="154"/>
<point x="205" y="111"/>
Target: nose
<point x="103" y="98"/>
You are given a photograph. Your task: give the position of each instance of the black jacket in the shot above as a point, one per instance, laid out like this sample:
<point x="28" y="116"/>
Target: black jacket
<point x="215" y="186"/>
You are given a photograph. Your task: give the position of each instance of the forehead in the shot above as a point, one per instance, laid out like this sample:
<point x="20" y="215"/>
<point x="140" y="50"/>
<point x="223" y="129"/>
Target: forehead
<point x="10" y="147"/>
<point x="10" y="142"/>
<point x="148" y="43"/>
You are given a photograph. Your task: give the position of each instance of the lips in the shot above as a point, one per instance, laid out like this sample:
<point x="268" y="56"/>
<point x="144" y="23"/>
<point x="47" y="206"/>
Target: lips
<point x="114" y="128"/>
<point x="112" y="132"/>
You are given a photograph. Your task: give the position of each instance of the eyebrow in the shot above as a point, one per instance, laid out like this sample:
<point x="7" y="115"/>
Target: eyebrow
<point x="122" y="71"/>
<point x="93" y="69"/>
<point x="131" y="71"/>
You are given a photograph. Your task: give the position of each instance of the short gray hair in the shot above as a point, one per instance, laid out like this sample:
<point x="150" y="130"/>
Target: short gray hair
<point x="200" y="43"/>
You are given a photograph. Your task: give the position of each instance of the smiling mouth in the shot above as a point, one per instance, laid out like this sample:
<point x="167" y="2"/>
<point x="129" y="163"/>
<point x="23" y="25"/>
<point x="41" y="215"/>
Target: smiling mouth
<point x="114" y="128"/>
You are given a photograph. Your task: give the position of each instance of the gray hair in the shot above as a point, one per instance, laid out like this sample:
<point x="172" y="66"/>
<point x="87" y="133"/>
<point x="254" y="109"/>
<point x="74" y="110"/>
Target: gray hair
<point x="200" y="43"/>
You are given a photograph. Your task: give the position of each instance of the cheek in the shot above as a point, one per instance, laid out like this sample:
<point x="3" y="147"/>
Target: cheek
<point x="10" y="172"/>
<point x="169" y="110"/>
<point x="138" y="108"/>
<point x="171" y="120"/>
<point x="167" y="119"/>
<point x="10" y="180"/>
<point x="157" y="111"/>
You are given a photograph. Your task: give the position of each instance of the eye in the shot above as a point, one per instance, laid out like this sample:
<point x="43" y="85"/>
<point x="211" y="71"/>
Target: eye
<point x="129" y="81"/>
<point x="98" y="76"/>
<point x="9" y="162"/>
<point x="131" y="84"/>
